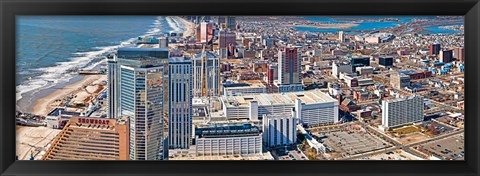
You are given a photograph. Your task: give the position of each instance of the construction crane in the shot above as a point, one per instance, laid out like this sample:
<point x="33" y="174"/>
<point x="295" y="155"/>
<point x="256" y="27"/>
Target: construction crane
<point x="203" y="75"/>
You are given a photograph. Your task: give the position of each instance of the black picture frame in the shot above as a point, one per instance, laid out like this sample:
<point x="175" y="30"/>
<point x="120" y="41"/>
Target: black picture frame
<point x="11" y="8"/>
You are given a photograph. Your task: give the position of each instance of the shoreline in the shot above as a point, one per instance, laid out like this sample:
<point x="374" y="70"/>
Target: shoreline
<point x="189" y="26"/>
<point x="43" y="105"/>
<point x="30" y="99"/>
<point x="26" y="103"/>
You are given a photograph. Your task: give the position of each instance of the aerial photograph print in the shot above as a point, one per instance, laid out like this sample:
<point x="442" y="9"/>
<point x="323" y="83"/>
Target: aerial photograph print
<point x="239" y="87"/>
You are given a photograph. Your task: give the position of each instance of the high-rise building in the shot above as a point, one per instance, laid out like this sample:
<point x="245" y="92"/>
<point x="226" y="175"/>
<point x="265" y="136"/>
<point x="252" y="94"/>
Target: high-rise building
<point x="289" y="70"/>
<point x="141" y="99"/>
<point x="140" y="86"/>
<point x="279" y="129"/>
<point x="435" y="49"/>
<point x="210" y="32"/>
<point x="226" y="43"/>
<point x="130" y="56"/>
<point x="446" y="56"/>
<point x="272" y="73"/>
<point x="402" y="111"/>
<point x="231" y="23"/>
<point x="198" y="34"/>
<point x="112" y="88"/>
<point x="228" y="22"/>
<point x="459" y="53"/>
<point x="212" y="69"/>
<point x="206" y="32"/>
<point x="179" y="103"/>
<point x="341" y="36"/>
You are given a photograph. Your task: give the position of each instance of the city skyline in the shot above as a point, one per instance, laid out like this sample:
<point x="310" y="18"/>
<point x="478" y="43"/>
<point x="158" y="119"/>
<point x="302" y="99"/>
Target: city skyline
<point x="261" y="88"/>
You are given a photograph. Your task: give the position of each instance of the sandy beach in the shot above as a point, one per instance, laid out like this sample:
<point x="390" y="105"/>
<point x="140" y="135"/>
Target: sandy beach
<point x="328" y="26"/>
<point x="33" y="139"/>
<point x="190" y="26"/>
<point x="43" y="105"/>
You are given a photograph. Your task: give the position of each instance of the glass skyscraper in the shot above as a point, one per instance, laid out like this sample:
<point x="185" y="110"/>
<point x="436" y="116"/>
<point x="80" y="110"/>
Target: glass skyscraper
<point x="140" y="86"/>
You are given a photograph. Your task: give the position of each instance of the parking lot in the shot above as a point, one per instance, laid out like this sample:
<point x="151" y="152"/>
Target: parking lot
<point x="451" y="148"/>
<point x="351" y="142"/>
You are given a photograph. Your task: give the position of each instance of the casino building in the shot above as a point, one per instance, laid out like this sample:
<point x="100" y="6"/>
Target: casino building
<point x="312" y="108"/>
<point x="91" y="139"/>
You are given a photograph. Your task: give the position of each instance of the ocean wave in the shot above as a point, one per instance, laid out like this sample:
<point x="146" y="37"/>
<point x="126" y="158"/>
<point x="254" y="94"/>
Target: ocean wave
<point x="174" y="24"/>
<point x="155" y="28"/>
<point x="64" y="71"/>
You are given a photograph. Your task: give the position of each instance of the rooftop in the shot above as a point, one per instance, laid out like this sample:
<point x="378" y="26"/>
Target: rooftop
<point x="178" y="60"/>
<point x="226" y="129"/>
<point x="207" y="54"/>
<point x="404" y="98"/>
<point x="134" y="52"/>
<point x="307" y="97"/>
<point x="408" y="72"/>
<point x="58" y="111"/>
<point x="245" y="84"/>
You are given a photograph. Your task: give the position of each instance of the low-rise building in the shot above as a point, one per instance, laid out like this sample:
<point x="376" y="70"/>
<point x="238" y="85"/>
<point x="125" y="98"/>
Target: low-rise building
<point x="364" y="70"/>
<point x="59" y="117"/>
<point x="399" y="81"/>
<point x="228" y="139"/>
<point x="235" y="89"/>
<point x="366" y="82"/>
<point x="385" y="61"/>
<point x="338" y="68"/>
<point x="313" y="107"/>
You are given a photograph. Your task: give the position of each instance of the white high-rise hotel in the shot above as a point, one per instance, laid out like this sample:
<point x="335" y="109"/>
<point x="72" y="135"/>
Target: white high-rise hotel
<point x="402" y="111"/>
<point x="179" y="102"/>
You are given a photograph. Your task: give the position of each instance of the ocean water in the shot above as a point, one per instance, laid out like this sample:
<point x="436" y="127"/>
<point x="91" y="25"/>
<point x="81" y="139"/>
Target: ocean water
<point x="49" y="48"/>
<point x="368" y="25"/>
<point x="440" y="30"/>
